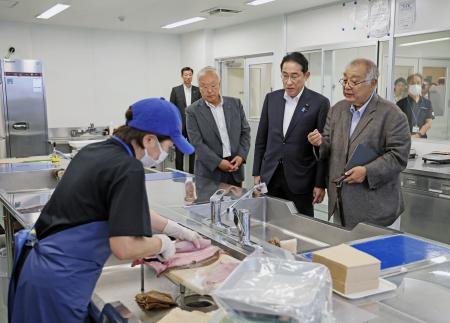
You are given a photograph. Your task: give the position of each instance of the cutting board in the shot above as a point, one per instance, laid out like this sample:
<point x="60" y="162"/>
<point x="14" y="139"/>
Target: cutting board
<point x="193" y="278"/>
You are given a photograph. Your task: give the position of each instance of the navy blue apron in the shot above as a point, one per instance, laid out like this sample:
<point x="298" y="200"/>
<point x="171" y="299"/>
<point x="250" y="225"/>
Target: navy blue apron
<point x="59" y="274"/>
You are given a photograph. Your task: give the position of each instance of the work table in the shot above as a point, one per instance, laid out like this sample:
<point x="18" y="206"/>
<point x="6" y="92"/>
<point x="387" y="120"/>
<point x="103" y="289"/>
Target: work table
<point x="187" y="205"/>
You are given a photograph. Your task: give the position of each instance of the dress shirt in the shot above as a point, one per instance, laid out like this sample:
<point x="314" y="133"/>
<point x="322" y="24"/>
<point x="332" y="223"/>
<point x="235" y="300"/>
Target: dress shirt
<point x="188" y="94"/>
<point x="219" y="117"/>
<point x="357" y="114"/>
<point x="289" y="109"/>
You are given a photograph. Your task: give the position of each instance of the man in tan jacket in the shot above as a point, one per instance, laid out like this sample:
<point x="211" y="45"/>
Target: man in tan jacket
<point x="370" y="193"/>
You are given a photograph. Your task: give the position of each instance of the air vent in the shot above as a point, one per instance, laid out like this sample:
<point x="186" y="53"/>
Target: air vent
<point x="8" y="3"/>
<point x="221" y="12"/>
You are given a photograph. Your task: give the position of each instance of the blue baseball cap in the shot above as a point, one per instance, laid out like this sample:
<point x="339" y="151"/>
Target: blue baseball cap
<point x="160" y="117"/>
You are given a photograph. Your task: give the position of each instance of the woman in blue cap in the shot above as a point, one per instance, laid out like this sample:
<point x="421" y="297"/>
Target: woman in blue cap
<point x="100" y="206"/>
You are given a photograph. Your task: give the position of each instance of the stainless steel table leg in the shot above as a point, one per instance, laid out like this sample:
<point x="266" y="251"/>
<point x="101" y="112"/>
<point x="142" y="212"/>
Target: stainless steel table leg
<point x="9" y="238"/>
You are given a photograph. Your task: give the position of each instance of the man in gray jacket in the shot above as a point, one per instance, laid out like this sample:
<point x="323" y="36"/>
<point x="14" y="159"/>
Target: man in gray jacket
<point x="370" y="193"/>
<point x="219" y="131"/>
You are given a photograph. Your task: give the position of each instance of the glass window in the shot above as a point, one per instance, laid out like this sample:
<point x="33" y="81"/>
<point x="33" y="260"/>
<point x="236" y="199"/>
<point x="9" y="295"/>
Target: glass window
<point x="428" y="55"/>
<point x="260" y="83"/>
<point x="336" y="61"/>
<point x="232" y="74"/>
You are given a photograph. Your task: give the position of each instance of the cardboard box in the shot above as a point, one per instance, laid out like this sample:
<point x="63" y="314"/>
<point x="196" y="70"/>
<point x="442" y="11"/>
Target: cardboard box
<point x="352" y="271"/>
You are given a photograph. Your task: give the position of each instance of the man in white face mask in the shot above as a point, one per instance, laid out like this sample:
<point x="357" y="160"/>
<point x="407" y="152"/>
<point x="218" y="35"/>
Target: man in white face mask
<point x="417" y="108"/>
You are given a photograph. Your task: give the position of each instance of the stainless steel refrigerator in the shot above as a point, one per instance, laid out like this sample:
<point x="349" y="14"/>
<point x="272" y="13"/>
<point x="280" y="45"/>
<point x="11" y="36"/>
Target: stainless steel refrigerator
<point x="23" y="117"/>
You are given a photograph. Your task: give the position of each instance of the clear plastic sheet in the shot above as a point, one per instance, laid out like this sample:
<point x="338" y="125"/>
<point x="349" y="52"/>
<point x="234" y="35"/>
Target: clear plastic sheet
<point x="275" y="289"/>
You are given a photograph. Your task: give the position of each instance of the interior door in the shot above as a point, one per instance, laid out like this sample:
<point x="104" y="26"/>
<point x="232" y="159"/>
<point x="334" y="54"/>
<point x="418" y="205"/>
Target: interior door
<point x="258" y="82"/>
<point x="27" y="124"/>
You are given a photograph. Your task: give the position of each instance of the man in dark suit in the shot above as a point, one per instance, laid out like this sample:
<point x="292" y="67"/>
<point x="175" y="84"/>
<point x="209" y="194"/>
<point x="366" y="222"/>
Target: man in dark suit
<point x="284" y="159"/>
<point x="183" y="96"/>
<point x="219" y="131"/>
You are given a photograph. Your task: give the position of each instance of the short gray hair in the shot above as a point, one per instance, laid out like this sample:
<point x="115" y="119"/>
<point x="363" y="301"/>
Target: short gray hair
<point x="371" y="68"/>
<point x="207" y="70"/>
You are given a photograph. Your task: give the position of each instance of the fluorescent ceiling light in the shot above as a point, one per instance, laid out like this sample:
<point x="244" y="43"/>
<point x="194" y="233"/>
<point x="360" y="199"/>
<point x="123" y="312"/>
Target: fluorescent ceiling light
<point x="183" y="22"/>
<point x="258" y="2"/>
<point x="57" y="8"/>
<point x="424" y="42"/>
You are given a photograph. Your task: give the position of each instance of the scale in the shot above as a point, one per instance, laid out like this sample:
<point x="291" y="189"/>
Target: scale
<point x="440" y="157"/>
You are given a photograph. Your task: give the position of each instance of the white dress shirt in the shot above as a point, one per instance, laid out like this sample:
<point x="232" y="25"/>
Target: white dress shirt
<point x="289" y="109"/>
<point x="219" y="117"/>
<point x="188" y="94"/>
<point x="357" y="114"/>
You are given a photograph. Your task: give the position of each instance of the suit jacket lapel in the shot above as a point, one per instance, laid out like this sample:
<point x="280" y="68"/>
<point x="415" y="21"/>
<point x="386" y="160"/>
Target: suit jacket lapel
<point x="366" y="118"/>
<point x="183" y="95"/>
<point x="302" y="102"/>
<point x="207" y="114"/>
<point x="228" y="116"/>
<point x="346" y="121"/>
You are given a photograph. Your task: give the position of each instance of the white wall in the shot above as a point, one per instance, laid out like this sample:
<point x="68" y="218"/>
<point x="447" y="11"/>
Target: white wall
<point x="196" y="51"/>
<point x="263" y="36"/>
<point x="319" y="26"/>
<point x="93" y="75"/>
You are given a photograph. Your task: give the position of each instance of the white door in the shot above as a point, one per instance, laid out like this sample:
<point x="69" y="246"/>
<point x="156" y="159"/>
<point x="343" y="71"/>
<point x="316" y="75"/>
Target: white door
<point x="249" y="79"/>
<point x="258" y="82"/>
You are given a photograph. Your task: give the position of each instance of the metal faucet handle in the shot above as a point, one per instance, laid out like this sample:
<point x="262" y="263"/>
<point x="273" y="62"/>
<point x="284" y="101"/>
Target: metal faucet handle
<point x="217" y="196"/>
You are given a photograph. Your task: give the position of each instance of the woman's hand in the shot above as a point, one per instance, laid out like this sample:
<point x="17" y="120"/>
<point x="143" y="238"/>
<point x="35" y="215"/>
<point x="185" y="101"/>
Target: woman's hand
<point x="175" y="230"/>
<point x="167" y="246"/>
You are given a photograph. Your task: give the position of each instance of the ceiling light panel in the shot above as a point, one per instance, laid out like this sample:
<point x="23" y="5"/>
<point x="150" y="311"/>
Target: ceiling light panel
<point x="57" y="8"/>
<point x="258" y="2"/>
<point x="183" y="22"/>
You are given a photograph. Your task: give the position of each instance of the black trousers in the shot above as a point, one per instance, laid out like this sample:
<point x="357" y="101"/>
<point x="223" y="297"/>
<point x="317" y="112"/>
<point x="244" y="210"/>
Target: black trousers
<point x="179" y="161"/>
<point x="229" y="179"/>
<point x="278" y="188"/>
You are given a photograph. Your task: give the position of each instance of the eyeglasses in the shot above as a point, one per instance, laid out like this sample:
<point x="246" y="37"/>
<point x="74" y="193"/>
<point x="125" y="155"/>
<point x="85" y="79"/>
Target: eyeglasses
<point x="352" y="84"/>
<point x="293" y="77"/>
<point x="208" y="86"/>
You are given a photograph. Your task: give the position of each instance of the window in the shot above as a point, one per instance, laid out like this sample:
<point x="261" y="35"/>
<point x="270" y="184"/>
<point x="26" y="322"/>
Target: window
<point x="428" y="55"/>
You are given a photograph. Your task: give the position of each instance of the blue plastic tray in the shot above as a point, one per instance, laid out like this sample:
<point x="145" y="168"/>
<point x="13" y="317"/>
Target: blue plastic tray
<point x="399" y="250"/>
<point x="165" y="175"/>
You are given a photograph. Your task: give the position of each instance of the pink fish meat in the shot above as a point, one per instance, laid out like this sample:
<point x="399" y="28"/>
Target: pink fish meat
<point x="219" y="274"/>
<point x="187" y="246"/>
<point x="184" y="260"/>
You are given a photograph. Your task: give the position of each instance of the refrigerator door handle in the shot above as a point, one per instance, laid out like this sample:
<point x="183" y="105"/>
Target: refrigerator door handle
<point x="21" y="126"/>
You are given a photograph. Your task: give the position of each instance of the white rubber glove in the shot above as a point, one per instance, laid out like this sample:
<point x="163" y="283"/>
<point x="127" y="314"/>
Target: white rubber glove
<point x="179" y="232"/>
<point x="167" y="247"/>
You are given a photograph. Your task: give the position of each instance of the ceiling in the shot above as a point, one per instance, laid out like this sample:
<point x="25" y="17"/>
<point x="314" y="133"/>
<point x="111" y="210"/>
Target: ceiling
<point x="147" y="15"/>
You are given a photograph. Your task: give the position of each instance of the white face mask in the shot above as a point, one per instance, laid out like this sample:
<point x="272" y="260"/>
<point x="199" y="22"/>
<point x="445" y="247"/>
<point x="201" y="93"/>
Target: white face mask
<point x="415" y="89"/>
<point x="147" y="161"/>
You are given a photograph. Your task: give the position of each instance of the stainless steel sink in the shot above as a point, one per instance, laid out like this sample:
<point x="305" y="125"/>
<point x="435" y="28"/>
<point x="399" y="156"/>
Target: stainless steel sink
<point x="28" y="180"/>
<point x="265" y="211"/>
<point x="273" y="217"/>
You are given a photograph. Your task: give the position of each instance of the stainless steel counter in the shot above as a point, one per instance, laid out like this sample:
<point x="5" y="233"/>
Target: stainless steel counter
<point x="183" y="200"/>
<point x="426" y="192"/>
<point x="418" y="167"/>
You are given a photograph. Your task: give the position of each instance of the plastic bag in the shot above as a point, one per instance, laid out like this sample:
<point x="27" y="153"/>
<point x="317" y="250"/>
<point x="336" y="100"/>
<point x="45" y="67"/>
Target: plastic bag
<point x="277" y="289"/>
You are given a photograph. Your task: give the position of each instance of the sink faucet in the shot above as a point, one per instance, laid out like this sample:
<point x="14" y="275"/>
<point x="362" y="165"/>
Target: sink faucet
<point x="90" y="130"/>
<point x="242" y="221"/>
<point x="260" y="186"/>
<point x="216" y="204"/>
<point x="241" y="217"/>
